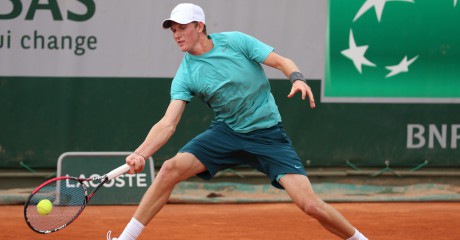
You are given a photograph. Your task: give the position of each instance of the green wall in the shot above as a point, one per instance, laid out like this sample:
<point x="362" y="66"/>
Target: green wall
<point x="43" y="117"/>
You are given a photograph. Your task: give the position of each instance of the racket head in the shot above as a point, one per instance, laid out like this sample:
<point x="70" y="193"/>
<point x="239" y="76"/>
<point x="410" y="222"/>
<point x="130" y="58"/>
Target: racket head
<point x="68" y="198"/>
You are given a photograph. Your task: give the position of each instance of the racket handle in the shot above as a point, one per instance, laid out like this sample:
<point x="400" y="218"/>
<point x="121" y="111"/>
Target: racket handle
<point x="118" y="171"/>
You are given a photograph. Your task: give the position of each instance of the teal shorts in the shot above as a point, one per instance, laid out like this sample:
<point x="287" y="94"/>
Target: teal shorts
<point x="270" y="151"/>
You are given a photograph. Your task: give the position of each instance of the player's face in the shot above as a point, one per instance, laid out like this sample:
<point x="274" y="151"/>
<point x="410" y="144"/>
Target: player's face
<point x="185" y="35"/>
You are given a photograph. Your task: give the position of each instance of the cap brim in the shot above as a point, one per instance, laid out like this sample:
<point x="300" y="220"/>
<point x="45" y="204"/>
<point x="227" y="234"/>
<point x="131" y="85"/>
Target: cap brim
<point x="166" y="23"/>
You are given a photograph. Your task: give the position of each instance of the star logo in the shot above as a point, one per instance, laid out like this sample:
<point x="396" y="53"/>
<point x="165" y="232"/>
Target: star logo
<point x="403" y="66"/>
<point x="378" y="6"/>
<point x="356" y="54"/>
<point x="395" y="51"/>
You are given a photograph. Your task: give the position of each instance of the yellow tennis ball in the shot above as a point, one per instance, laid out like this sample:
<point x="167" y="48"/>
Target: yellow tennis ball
<point x="44" y="207"/>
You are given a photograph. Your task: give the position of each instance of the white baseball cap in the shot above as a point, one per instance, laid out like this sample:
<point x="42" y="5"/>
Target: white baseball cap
<point x="185" y="13"/>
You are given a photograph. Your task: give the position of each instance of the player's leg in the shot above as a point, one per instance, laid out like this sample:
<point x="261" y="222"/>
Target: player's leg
<point x="282" y="159"/>
<point x="210" y="147"/>
<point x="300" y="190"/>
<point x="174" y="170"/>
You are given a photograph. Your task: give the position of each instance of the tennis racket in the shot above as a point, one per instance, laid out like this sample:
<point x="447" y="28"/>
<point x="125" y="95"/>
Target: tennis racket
<point x="68" y="196"/>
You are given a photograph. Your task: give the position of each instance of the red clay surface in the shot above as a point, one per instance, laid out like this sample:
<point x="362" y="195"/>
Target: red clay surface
<point x="436" y="220"/>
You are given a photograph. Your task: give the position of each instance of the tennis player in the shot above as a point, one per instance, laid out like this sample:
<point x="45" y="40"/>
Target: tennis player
<point x="224" y="71"/>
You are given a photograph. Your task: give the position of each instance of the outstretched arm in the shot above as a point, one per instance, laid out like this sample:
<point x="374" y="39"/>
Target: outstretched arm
<point x="287" y="66"/>
<point x="157" y="137"/>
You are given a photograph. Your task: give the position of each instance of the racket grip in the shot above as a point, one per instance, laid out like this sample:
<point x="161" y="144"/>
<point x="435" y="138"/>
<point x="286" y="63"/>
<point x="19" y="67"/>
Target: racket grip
<point x="118" y="171"/>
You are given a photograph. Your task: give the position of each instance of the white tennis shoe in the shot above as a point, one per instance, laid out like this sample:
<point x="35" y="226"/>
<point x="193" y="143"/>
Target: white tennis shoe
<point x="108" y="236"/>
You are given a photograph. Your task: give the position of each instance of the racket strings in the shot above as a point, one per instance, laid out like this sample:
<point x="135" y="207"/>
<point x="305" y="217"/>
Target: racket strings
<point x="68" y="199"/>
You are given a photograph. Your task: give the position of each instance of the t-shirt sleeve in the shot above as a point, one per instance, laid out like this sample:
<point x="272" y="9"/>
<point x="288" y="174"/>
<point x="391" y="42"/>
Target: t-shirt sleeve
<point x="180" y="86"/>
<point x="252" y="47"/>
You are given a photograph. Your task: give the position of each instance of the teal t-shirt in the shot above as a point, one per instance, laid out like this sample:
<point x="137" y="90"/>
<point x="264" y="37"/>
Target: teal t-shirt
<point x="231" y="81"/>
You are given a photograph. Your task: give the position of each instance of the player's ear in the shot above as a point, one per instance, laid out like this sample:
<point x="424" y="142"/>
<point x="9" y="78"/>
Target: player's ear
<point x="200" y="26"/>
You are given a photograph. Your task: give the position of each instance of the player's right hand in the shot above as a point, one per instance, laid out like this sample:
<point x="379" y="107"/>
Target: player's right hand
<point x="136" y="163"/>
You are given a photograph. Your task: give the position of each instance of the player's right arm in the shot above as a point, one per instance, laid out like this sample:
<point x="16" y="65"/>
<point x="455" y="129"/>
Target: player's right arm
<point x="158" y="136"/>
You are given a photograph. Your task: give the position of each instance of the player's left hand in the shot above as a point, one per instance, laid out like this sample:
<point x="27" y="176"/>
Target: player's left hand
<point x="300" y="86"/>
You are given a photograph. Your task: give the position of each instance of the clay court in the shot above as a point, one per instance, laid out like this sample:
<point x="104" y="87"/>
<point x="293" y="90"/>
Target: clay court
<point x="258" y="221"/>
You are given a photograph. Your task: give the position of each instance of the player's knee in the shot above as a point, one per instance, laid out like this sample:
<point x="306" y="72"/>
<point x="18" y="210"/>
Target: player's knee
<point x="169" y="172"/>
<point x="312" y="207"/>
<point x="312" y="210"/>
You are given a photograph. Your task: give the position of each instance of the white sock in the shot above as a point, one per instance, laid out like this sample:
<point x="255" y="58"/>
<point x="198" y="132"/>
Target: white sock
<point x="357" y="236"/>
<point x="132" y="230"/>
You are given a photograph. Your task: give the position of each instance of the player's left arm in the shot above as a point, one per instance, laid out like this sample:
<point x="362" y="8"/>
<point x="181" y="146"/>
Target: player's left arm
<point x="288" y="67"/>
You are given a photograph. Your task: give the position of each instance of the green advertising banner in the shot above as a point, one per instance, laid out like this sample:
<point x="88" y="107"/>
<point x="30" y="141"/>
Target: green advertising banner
<point x="401" y="51"/>
<point x="125" y="189"/>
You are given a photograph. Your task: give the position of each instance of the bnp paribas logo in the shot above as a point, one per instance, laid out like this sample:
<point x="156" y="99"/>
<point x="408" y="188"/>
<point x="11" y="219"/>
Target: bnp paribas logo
<point x="357" y="53"/>
<point x="393" y="51"/>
